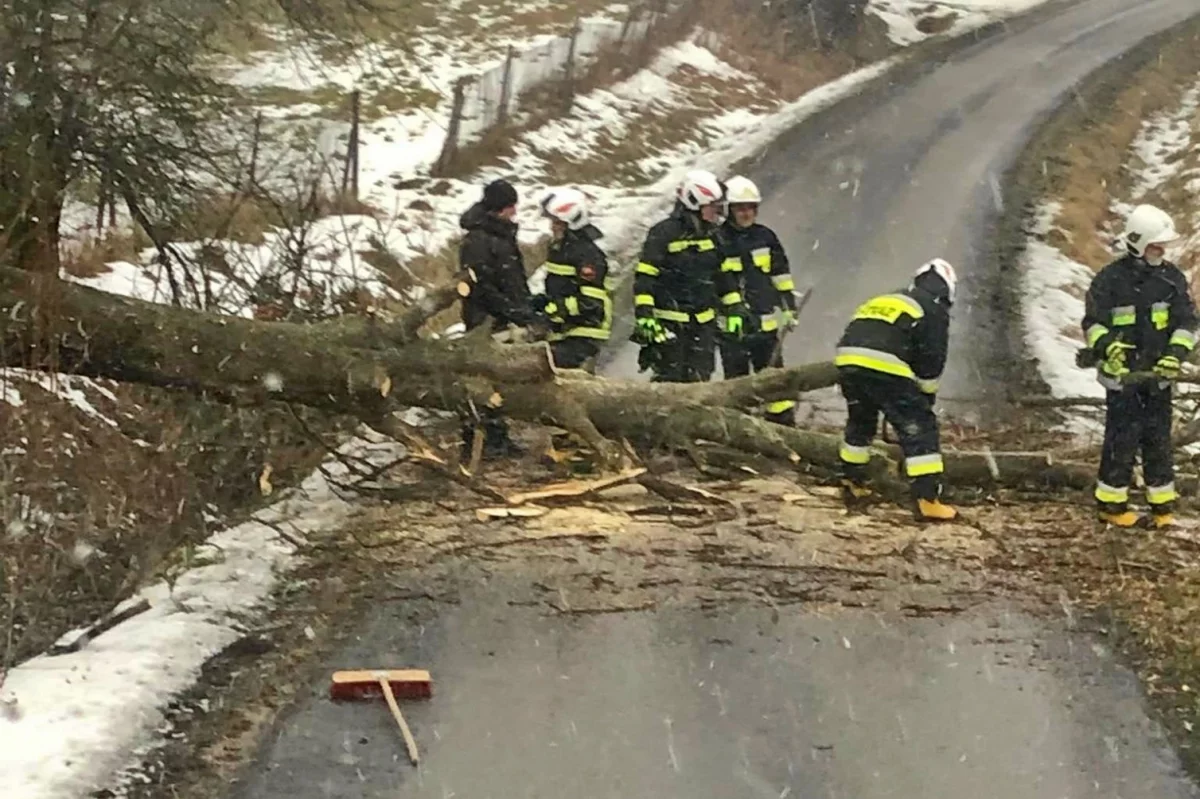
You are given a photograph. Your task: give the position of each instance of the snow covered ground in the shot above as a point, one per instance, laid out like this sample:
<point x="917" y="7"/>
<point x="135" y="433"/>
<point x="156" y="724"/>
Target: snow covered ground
<point x="1165" y="154"/>
<point x="912" y="21"/>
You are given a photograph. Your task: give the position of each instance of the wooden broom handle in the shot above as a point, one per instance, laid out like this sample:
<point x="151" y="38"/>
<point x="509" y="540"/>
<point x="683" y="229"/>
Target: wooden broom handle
<point x="395" y="708"/>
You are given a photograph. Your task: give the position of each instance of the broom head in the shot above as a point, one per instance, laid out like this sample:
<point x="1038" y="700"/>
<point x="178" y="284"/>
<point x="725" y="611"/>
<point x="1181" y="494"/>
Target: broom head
<point x="405" y="684"/>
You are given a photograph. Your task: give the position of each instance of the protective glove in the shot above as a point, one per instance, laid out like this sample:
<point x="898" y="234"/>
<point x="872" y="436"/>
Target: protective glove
<point x="1114" y="358"/>
<point x="734" y="325"/>
<point x="789" y="319"/>
<point x="650" y="331"/>
<point x="1167" y="367"/>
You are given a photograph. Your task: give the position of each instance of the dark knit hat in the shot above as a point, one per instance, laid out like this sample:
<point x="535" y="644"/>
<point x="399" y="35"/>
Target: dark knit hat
<point x="498" y="195"/>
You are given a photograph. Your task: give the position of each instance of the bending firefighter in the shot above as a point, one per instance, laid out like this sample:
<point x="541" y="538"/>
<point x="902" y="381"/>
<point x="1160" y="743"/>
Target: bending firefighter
<point x="889" y="361"/>
<point x="576" y="303"/>
<point x="753" y="254"/>
<point x="679" y="285"/>
<point x="1140" y="323"/>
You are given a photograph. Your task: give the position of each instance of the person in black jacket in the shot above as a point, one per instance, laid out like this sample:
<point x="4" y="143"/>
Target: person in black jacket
<point x="752" y="252"/>
<point x="889" y="361"/>
<point x="499" y="291"/>
<point x="576" y="303"/>
<point x="1139" y="318"/>
<point x="679" y="284"/>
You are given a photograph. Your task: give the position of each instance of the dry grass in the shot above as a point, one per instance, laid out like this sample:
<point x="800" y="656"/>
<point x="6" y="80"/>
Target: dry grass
<point x="90" y="257"/>
<point x="1092" y="169"/>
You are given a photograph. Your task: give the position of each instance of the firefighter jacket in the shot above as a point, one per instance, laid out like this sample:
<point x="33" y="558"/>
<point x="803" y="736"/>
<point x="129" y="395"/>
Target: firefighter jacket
<point x="500" y="289"/>
<point x="1143" y="305"/>
<point x="679" y="277"/>
<point x="905" y="334"/>
<point x="757" y="260"/>
<point x="579" y="304"/>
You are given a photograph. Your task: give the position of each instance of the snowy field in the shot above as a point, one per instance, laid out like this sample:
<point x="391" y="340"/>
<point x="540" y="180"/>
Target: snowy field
<point x="70" y="724"/>
<point x="1167" y="149"/>
<point x="912" y="21"/>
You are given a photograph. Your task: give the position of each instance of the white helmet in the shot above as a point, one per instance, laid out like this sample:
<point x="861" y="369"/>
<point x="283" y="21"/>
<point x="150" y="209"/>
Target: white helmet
<point x="1147" y="225"/>
<point x="567" y="205"/>
<point x="945" y="271"/>
<point x="700" y="188"/>
<point x="741" y="190"/>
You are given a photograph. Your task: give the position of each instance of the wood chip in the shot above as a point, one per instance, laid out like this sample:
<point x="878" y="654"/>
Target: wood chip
<point x="264" y="481"/>
<point x="575" y="488"/>
<point x="464" y="289"/>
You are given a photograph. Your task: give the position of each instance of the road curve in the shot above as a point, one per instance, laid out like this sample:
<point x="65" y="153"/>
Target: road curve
<point x="864" y="194"/>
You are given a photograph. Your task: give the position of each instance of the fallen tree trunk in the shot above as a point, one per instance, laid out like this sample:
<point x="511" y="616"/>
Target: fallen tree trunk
<point x="49" y="324"/>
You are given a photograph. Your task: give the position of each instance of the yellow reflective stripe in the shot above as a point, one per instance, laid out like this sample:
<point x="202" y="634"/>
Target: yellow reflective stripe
<point x="732" y="298"/>
<point x="1112" y="494"/>
<point x="889" y="308"/>
<point x="850" y="453"/>
<point x="927" y="386"/>
<point x="600" y="333"/>
<point x="769" y="323"/>
<point x="762" y="258"/>
<point x="593" y="292"/>
<point x="644" y="299"/>
<point x="1124" y="315"/>
<point x="671" y="316"/>
<point x="703" y="245"/>
<point x="706" y="316"/>
<point x="783" y="282"/>
<point x="644" y="268"/>
<point x="731" y="265"/>
<point x="922" y="465"/>
<point x="1095" y="333"/>
<point x="1158" y="495"/>
<point x="875" y="360"/>
<point x="572" y="304"/>
<point x="560" y="269"/>
<point x="1160" y="315"/>
<point x="781" y="406"/>
<point x="551" y="308"/>
<point x="1183" y="338"/>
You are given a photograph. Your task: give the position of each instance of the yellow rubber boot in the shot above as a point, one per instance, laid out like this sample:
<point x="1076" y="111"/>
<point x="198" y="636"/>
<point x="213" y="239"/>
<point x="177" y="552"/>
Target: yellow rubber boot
<point x="1125" y="518"/>
<point x="934" y="510"/>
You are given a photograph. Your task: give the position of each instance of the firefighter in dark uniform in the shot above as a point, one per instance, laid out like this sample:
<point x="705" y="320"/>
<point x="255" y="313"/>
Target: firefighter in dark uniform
<point x="499" y="291"/>
<point x="752" y="253"/>
<point x="1139" y="318"/>
<point x="576" y="304"/>
<point x="679" y="286"/>
<point x="889" y="361"/>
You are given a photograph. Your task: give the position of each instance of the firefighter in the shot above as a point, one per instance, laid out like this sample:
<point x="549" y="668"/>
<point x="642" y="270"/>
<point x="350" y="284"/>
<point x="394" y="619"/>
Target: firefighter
<point x="889" y="361"/>
<point x="753" y="254"/>
<point x="499" y="291"/>
<point x="576" y="303"/>
<point x="679" y="285"/>
<point x="1139" y="318"/>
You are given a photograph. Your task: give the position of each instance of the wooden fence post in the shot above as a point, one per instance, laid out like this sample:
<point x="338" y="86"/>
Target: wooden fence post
<point x="506" y="87"/>
<point x="450" y="146"/>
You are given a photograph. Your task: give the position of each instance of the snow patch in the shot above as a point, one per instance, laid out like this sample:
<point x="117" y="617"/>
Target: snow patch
<point x="903" y="17"/>
<point x="1161" y="143"/>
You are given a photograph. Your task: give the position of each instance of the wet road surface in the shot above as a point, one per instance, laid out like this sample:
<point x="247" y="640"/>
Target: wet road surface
<point x="701" y="706"/>
<point x="865" y="194"/>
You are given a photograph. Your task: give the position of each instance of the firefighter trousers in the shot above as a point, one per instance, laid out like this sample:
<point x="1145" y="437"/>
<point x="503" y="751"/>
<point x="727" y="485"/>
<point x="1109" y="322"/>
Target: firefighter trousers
<point x="1137" y="418"/>
<point x="689" y="357"/>
<point x="910" y="413"/>
<point x="757" y="351"/>
<point x="573" y="352"/>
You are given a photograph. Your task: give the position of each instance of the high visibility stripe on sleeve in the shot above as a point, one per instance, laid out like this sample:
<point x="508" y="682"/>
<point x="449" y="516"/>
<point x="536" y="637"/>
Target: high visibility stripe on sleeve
<point x="927" y="386"/>
<point x="644" y="299"/>
<point x="732" y="298"/>
<point x="1124" y="315"/>
<point x="768" y="324"/>
<point x="1095" y="333"/>
<point x="565" y="270"/>
<point x="551" y="308"/>
<point x="704" y="317"/>
<point x="783" y="282"/>
<point x="781" y="406"/>
<point x="572" y="304"/>
<point x="1183" y="338"/>
<point x="644" y="268"/>
<point x="703" y="245"/>
<point x="849" y="453"/>
<point x="1159" y="495"/>
<point x="922" y="465"/>
<point x="731" y="265"/>
<point x="1111" y="494"/>
<point x="593" y="292"/>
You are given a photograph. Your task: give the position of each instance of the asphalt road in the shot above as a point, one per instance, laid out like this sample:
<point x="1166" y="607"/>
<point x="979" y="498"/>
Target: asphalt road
<point x="738" y="702"/>
<point x="862" y="198"/>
